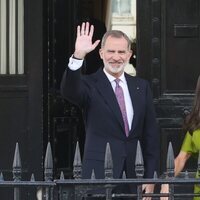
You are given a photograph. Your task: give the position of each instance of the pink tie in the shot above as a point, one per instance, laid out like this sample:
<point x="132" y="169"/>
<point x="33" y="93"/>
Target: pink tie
<point x="120" y="98"/>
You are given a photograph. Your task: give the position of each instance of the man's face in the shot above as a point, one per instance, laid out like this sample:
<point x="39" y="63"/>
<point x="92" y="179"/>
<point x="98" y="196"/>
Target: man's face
<point x="115" y="55"/>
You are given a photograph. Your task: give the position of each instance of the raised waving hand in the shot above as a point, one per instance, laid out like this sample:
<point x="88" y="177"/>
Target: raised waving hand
<point x="83" y="44"/>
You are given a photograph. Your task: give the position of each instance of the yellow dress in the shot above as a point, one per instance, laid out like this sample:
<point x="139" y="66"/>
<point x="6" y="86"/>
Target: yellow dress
<point x="191" y="144"/>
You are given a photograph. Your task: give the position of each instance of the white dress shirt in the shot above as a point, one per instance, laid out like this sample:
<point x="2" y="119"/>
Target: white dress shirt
<point x="75" y="64"/>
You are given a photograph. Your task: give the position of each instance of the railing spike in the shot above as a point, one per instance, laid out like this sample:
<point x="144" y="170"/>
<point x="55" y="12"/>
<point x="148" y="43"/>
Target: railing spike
<point x="48" y="164"/>
<point x="93" y="177"/>
<point x="1" y="177"/>
<point x="17" y="159"/>
<point x="108" y="165"/>
<point x="170" y="161"/>
<point x="186" y="175"/>
<point x="17" y="167"/>
<point x="139" y="157"/>
<point x="139" y="163"/>
<point x="124" y="175"/>
<point x="77" y="163"/>
<point x="77" y="156"/>
<point x="155" y="175"/>
<point x="32" y="178"/>
<point x="62" y="176"/>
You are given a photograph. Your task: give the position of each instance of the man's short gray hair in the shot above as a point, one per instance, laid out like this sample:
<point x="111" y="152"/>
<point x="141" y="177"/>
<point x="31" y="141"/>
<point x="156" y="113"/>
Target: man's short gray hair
<point x="115" y="34"/>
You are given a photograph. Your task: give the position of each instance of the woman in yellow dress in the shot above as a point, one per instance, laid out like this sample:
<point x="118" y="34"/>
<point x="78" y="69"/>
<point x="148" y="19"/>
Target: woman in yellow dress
<point x="191" y="143"/>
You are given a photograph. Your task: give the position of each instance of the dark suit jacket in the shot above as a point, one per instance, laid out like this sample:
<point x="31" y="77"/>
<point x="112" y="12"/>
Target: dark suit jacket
<point x="103" y="122"/>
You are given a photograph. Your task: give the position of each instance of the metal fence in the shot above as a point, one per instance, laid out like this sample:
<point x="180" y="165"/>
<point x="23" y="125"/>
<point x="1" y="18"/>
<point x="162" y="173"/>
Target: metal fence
<point x="79" y="189"/>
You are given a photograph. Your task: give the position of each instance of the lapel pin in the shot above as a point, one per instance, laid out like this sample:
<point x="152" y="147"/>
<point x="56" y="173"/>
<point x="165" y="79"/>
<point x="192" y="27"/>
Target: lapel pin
<point x="138" y="88"/>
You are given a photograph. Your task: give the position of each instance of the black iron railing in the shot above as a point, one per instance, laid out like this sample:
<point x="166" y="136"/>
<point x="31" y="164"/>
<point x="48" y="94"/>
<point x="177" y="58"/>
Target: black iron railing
<point x="78" y="188"/>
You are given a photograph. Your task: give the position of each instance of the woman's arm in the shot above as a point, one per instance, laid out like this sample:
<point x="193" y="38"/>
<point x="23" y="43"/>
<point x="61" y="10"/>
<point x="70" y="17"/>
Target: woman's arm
<point x="179" y="163"/>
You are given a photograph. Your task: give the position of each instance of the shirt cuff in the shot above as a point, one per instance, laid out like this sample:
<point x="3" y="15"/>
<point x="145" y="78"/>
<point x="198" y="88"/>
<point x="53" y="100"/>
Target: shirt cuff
<point x="74" y="64"/>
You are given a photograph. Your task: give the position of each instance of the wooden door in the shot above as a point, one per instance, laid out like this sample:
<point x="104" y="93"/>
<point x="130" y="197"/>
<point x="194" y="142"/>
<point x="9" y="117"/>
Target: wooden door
<point x="168" y="56"/>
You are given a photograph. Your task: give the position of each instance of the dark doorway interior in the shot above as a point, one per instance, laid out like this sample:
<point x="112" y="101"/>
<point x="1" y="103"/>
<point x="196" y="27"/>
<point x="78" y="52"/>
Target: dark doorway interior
<point x="62" y="119"/>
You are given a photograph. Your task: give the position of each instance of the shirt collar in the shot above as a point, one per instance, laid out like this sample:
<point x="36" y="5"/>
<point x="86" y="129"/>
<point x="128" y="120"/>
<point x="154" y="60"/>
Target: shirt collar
<point x="112" y="78"/>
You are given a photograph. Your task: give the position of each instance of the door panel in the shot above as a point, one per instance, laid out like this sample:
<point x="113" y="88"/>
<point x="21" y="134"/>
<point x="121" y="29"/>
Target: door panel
<point x="21" y="99"/>
<point x="182" y="44"/>
<point x="180" y="61"/>
<point x="168" y="46"/>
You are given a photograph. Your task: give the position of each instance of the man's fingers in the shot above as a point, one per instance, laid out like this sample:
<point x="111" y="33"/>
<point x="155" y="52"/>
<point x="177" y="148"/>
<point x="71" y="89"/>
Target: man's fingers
<point x="78" y="31"/>
<point x="87" y="27"/>
<point x="83" y="28"/>
<point x="95" y="44"/>
<point x="84" y="38"/>
<point x="91" y="31"/>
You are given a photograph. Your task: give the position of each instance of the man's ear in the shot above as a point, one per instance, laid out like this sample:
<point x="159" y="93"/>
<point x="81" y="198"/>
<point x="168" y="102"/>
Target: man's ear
<point x="130" y="53"/>
<point x="101" y="53"/>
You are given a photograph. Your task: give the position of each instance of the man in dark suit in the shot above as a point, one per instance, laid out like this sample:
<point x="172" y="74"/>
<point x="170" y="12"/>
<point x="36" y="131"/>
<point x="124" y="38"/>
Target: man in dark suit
<point x="104" y="120"/>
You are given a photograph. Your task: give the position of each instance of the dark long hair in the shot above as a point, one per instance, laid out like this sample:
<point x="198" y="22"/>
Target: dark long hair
<point x="192" y="121"/>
